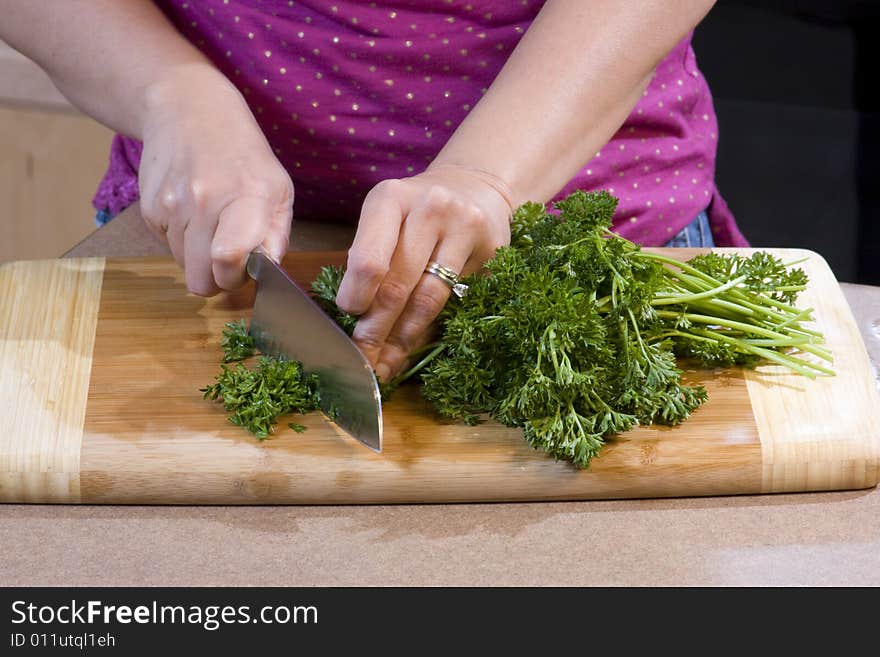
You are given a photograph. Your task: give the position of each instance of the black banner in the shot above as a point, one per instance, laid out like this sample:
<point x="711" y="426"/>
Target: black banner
<point x="136" y="620"/>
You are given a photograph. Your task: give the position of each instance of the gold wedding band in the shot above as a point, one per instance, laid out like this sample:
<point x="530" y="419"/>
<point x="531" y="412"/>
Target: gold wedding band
<point x="448" y="276"/>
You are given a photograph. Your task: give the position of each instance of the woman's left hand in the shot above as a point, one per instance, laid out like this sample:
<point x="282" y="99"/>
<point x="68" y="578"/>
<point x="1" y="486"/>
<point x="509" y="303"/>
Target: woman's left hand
<point x="451" y="215"/>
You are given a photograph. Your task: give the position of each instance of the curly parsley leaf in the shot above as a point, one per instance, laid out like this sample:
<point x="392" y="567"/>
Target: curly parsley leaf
<point x="237" y="343"/>
<point x="256" y="397"/>
<point x="324" y="289"/>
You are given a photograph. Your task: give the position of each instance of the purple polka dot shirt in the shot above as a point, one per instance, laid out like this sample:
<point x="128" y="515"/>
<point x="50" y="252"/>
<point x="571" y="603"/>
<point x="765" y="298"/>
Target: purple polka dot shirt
<point x="351" y="93"/>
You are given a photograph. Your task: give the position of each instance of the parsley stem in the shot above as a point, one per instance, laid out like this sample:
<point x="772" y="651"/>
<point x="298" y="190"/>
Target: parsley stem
<point x="705" y="319"/>
<point x="635" y="326"/>
<point x="690" y="298"/>
<point x="683" y="266"/>
<point x="746" y="328"/>
<point x="423" y="349"/>
<point x="400" y="378"/>
<point x="796" y="364"/>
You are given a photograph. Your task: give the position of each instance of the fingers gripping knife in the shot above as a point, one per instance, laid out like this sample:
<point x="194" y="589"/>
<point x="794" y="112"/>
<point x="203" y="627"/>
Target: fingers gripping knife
<point x="286" y="322"/>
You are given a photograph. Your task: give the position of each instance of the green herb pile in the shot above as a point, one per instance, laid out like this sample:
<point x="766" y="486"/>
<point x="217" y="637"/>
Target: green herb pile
<point x="573" y="332"/>
<point x="256" y="397"/>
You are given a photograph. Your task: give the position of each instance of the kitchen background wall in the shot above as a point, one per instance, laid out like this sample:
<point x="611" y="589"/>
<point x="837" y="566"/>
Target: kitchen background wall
<point x="798" y="138"/>
<point x="799" y="129"/>
<point x="51" y="158"/>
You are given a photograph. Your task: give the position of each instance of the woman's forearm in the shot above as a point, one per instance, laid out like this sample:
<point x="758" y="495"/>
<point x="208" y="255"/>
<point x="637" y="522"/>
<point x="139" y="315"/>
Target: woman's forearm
<point x="568" y="86"/>
<point x="108" y="57"/>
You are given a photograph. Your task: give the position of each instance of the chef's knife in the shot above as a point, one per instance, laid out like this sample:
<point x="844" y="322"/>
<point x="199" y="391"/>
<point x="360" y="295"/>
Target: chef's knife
<point x="286" y="322"/>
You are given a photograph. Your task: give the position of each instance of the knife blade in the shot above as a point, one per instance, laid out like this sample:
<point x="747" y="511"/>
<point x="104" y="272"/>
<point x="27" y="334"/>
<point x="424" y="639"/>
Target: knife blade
<point x="287" y="322"/>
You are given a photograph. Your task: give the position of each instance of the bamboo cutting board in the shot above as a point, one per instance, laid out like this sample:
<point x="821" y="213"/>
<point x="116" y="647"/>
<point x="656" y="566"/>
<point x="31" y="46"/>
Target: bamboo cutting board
<point x="101" y="361"/>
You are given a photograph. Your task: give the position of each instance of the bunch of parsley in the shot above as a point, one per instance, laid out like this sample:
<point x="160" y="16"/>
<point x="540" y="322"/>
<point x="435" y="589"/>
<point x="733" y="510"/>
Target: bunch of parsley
<point x="572" y="332"/>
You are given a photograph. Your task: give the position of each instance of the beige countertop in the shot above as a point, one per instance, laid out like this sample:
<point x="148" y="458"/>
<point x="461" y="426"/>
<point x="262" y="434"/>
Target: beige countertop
<point x="805" y="539"/>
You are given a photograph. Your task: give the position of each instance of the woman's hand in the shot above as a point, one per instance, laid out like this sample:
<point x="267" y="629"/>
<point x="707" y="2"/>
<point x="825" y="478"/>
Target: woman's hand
<point x="210" y="184"/>
<point x="451" y="215"/>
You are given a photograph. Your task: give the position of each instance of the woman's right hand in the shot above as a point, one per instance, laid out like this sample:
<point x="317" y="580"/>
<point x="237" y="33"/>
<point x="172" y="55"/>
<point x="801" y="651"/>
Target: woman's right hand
<point x="209" y="182"/>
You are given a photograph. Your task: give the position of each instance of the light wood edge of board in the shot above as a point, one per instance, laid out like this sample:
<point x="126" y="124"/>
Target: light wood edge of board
<point x="47" y="357"/>
<point x="809" y="457"/>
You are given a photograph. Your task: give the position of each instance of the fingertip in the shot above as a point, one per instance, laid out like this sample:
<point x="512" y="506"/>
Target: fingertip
<point x="348" y="297"/>
<point x="203" y="289"/>
<point x="382" y="372"/>
<point x="391" y="362"/>
<point x="367" y="336"/>
<point x="364" y="273"/>
<point x="199" y="277"/>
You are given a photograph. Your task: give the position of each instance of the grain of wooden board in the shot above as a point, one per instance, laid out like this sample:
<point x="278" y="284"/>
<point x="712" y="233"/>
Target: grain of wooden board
<point x="101" y="361"/>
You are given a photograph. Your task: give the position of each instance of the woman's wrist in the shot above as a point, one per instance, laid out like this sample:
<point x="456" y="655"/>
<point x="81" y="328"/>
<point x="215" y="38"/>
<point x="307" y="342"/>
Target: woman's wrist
<point x="491" y="179"/>
<point x="189" y="87"/>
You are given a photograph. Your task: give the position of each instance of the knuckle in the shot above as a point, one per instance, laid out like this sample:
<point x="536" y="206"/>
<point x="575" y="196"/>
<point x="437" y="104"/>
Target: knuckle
<point x="426" y="305"/>
<point x="439" y="200"/>
<point x="392" y="294"/>
<point x="365" y="267"/>
<point x="368" y="337"/>
<point x="226" y="256"/>
<point x="406" y="335"/>
<point x="498" y="242"/>
<point x="259" y="183"/>
<point x="200" y="192"/>
<point x="285" y="184"/>
<point x="386" y="188"/>
<point x="169" y="200"/>
<point x="398" y="343"/>
<point x="491" y="245"/>
<point x="278" y="183"/>
<point x="471" y="217"/>
<point x="261" y="187"/>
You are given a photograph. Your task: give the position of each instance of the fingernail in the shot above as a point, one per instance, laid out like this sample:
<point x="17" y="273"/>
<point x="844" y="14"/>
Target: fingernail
<point x="382" y="372"/>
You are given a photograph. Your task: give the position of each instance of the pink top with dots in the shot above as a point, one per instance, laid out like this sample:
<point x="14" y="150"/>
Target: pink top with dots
<point x="351" y="93"/>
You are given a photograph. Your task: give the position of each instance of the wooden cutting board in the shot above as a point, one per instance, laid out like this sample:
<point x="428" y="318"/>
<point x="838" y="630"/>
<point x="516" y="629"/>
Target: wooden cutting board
<point x="101" y="361"/>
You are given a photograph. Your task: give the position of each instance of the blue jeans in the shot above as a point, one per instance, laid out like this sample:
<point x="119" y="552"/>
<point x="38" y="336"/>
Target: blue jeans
<point x="696" y="233"/>
<point x="102" y="217"/>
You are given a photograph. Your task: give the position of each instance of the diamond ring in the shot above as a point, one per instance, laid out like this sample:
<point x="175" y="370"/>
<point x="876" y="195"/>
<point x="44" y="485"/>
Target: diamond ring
<point x="449" y="277"/>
